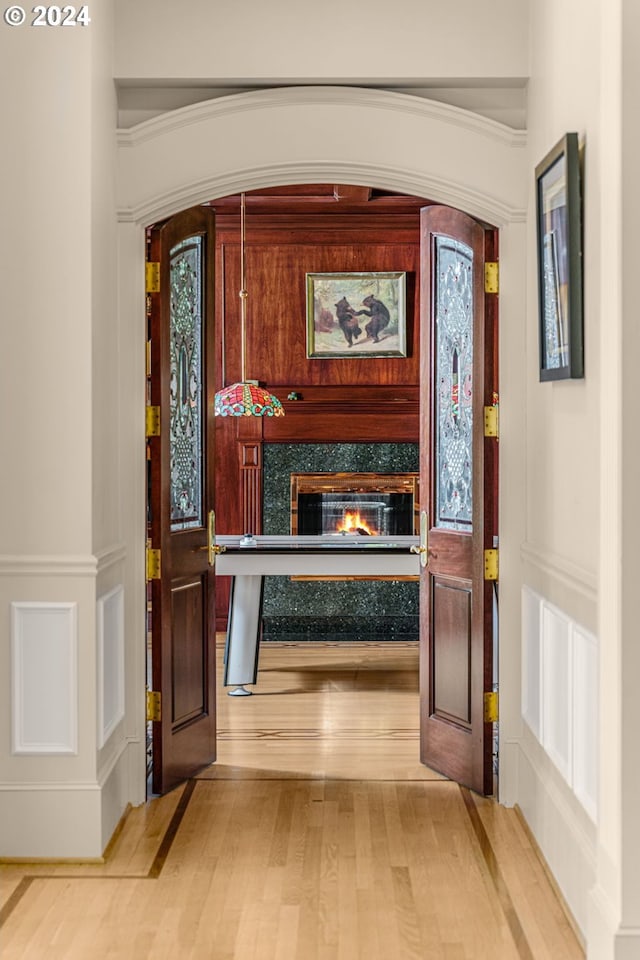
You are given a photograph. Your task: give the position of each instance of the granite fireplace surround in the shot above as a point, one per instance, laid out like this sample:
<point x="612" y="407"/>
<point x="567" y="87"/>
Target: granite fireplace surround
<point x="336" y="610"/>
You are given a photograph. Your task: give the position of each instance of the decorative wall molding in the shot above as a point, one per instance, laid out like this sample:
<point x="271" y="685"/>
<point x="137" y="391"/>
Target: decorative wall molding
<point x="585" y="697"/>
<point x="573" y="576"/>
<point x="494" y="194"/>
<point x="114" y="759"/>
<point x="250" y="455"/>
<point x="110" y="556"/>
<point x="582" y="828"/>
<point x="61" y="565"/>
<point x="333" y="96"/>
<point x="64" y="565"/>
<point x="560" y="693"/>
<point x="556" y="687"/>
<point x="388" y="177"/>
<point x="110" y="663"/>
<point x="78" y="786"/>
<point x="44" y="672"/>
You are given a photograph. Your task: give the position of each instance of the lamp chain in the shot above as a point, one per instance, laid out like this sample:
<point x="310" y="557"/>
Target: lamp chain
<point x="243" y="291"/>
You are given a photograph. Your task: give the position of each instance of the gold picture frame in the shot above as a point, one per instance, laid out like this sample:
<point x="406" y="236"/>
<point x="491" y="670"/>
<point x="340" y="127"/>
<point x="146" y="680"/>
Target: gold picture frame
<point x="356" y="315"/>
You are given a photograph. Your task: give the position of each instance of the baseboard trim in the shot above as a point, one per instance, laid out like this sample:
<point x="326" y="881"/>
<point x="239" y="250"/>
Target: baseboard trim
<point x="571" y="920"/>
<point x="108" y="850"/>
<point x="52" y="861"/>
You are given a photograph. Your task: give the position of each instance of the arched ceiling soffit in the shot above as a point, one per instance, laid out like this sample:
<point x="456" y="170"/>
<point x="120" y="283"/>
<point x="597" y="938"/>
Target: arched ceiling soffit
<point x="300" y="135"/>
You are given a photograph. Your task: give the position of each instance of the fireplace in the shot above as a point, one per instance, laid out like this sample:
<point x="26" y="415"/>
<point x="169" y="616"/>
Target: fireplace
<point x="366" y="504"/>
<point x="349" y="609"/>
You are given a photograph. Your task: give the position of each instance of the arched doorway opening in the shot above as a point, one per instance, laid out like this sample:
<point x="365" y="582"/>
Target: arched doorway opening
<point x="384" y="231"/>
<point x="201" y="153"/>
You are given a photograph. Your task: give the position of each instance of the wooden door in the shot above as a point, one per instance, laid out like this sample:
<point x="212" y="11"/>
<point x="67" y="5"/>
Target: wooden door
<point x="181" y="490"/>
<point x="458" y="481"/>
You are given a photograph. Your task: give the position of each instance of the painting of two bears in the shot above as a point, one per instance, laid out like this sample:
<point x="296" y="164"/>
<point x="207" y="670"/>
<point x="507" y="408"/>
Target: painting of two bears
<point x="356" y="314"/>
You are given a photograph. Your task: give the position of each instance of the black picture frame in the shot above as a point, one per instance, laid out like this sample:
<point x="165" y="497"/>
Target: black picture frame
<point x="559" y="250"/>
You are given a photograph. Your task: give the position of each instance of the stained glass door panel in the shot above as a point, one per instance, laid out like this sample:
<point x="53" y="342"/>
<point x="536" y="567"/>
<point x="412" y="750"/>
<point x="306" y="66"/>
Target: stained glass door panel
<point x="185" y="384"/>
<point x="453" y="327"/>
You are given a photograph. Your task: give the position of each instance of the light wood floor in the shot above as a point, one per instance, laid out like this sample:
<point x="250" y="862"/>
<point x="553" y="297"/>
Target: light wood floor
<point x="316" y="836"/>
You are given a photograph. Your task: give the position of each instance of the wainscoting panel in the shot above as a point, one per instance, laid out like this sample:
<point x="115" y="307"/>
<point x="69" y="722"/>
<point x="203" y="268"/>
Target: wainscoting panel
<point x="560" y="693"/>
<point x="44" y="686"/>
<point x="110" y="663"/>
<point x="556" y="688"/>
<point x="531" y="660"/>
<point x="585" y="720"/>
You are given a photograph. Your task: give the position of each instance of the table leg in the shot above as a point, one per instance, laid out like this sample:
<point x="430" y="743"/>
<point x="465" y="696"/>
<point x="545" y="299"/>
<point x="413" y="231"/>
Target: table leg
<point x="243" y="633"/>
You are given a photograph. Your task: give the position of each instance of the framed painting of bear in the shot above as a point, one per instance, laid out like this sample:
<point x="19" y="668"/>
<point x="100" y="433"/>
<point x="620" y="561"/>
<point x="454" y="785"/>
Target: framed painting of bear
<point x="356" y="315"/>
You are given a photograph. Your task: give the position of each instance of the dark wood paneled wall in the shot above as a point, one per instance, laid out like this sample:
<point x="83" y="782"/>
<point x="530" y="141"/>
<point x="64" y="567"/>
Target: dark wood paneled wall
<point x="346" y="399"/>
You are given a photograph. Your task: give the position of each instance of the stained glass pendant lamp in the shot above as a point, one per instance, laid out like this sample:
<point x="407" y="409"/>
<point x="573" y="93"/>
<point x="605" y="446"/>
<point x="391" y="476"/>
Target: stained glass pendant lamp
<point x="246" y="398"/>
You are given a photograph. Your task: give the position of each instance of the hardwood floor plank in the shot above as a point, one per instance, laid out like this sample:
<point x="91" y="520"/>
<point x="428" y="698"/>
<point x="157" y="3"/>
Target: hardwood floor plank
<point x="318" y="836"/>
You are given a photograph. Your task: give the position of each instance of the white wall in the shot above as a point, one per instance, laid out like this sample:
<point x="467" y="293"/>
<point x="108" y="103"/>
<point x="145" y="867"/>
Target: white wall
<point x="60" y="487"/>
<point x="45" y="377"/>
<point x="582" y="466"/>
<point x="559" y="552"/>
<point x="562" y="417"/>
<point x="629" y="931"/>
<point x="45" y="507"/>
<point x="118" y="546"/>
<point x="285" y="41"/>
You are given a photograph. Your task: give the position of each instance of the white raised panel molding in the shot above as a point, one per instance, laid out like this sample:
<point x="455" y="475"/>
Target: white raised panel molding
<point x="560" y="693"/>
<point x="110" y="663"/>
<point x="585" y="720"/>
<point x="556" y="688"/>
<point x="531" y="660"/>
<point x="44" y="678"/>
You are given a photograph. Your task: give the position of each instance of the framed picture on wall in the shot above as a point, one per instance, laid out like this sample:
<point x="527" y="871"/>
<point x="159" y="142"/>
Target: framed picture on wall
<point x="559" y="234"/>
<point x="356" y="315"/>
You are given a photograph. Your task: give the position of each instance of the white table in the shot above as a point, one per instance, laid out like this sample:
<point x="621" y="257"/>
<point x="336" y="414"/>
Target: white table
<point x="249" y="561"/>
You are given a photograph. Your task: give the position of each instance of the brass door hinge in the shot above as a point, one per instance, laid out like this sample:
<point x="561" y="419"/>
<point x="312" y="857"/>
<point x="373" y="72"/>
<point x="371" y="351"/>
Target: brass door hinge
<point x="152" y="277"/>
<point x="491" y="421"/>
<point x="491" y="707"/>
<point x="148" y="359"/>
<point x="152" y="421"/>
<point x="153" y="564"/>
<point x="491" y="280"/>
<point x="491" y="564"/>
<point x="154" y="705"/>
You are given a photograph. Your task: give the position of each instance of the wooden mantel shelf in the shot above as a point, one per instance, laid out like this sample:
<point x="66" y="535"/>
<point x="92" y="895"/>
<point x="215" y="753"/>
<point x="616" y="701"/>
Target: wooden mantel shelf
<point x="347" y="414"/>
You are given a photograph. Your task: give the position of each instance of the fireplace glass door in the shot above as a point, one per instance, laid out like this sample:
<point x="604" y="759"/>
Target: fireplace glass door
<point x="354" y="503"/>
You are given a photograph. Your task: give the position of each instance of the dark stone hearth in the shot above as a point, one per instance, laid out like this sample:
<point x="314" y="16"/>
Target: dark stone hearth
<point x="330" y="628"/>
<point x="336" y="609"/>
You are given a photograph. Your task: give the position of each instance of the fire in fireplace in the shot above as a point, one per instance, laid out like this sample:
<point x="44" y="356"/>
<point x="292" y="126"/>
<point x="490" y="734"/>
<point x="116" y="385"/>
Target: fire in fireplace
<point x="369" y="504"/>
